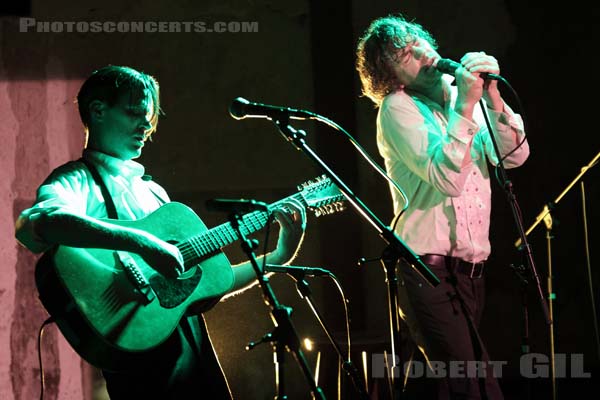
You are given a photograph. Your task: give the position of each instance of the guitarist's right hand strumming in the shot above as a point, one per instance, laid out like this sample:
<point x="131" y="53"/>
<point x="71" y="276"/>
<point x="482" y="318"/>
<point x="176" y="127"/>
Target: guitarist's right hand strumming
<point x="162" y="256"/>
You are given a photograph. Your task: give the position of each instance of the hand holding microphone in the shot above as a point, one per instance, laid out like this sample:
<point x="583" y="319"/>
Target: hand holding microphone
<point x="470" y="88"/>
<point x="473" y="62"/>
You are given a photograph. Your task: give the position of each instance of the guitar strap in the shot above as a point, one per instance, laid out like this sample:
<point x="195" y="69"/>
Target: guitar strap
<point x="111" y="210"/>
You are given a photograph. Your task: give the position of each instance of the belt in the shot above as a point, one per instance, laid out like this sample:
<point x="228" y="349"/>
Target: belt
<point x="456" y="265"/>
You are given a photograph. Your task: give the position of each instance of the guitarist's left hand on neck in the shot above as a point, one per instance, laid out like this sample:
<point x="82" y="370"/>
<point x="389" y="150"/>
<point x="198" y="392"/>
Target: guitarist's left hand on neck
<point x="291" y="217"/>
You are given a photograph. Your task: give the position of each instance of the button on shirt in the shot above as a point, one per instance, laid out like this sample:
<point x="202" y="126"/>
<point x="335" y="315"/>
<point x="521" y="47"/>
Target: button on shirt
<point x="71" y="187"/>
<point x="439" y="159"/>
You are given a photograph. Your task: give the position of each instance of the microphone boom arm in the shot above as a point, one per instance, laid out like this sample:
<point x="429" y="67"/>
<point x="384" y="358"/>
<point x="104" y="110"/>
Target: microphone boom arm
<point x="296" y="137"/>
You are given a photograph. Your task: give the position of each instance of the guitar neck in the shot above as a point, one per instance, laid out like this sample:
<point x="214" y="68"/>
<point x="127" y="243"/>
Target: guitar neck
<point x="225" y="234"/>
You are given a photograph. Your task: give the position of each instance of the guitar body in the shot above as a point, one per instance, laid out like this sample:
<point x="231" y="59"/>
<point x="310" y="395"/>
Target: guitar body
<point x="112" y="307"/>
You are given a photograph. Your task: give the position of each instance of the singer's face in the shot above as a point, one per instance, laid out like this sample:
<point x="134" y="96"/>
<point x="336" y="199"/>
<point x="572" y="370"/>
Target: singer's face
<point x="122" y="129"/>
<point x="413" y="66"/>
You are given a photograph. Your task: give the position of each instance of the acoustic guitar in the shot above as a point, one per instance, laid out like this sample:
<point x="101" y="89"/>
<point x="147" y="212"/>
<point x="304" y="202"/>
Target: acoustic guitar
<point x="112" y="307"/>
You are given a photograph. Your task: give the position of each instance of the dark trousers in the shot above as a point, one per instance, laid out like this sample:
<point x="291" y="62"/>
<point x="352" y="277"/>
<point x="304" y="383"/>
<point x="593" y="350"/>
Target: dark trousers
<point x="443" y="321"/>
<point x="184" y="367"/>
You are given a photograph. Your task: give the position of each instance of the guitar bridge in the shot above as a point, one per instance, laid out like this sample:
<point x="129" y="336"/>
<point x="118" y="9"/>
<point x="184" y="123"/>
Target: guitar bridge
<point x="136" y="276"/>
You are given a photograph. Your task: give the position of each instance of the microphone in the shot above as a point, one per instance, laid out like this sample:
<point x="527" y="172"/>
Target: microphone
<point x="293" y="270"/>
<point x="236" y="205"/>
<point x="241" y="108"/>
<point x="448" y="66"/>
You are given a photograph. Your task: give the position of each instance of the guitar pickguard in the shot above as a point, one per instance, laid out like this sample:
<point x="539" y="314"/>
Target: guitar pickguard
<point x="173" y="292"/>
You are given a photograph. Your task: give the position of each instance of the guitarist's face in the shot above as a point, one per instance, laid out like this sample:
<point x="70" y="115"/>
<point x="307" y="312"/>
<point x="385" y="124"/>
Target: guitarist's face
<point x="121" y="130"/>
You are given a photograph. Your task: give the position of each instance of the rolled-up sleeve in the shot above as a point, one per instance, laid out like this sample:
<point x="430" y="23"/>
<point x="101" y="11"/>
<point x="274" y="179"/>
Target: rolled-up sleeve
<point x="60" y="192"/>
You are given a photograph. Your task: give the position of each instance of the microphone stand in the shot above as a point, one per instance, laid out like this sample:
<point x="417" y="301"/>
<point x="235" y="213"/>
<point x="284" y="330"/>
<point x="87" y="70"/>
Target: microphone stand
<point x="296" y="137"/>
<point x="284" y="335"/>
<point x="546" y="217"/>
<point x="522" y="272"/>
<point x="508" y="189"/>
<point x="298" y="274"/>
<point x="396" y="248"/>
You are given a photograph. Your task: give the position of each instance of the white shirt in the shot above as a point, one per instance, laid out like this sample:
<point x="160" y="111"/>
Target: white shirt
<point x="72" y="187"/>
<point x="439" y="159"/>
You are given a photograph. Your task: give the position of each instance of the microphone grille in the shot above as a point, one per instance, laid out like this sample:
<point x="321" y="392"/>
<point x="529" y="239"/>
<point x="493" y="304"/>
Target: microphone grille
<point x="446" y="65"/>
<point x="237" y="108"/>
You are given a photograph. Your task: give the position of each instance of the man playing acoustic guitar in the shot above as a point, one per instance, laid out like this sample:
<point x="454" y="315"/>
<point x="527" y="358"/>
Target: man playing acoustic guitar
<point x="119" y="108"/>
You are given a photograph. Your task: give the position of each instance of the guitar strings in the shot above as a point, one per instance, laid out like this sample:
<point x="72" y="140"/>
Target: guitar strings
<point x="198" y="246"/>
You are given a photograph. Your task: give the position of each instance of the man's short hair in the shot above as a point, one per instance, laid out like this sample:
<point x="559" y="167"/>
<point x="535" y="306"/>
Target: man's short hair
<point x="110" y="83"/>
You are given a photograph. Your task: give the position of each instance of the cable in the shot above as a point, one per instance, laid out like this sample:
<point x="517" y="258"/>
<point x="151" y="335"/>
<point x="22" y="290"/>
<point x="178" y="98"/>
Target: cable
<point x="345" y="301"/>
<point x="589" y="265"/>
<point x="396" y="219"/>
<point x="366" y="156"/>
<point x="521" y="113"/>
<point x="347" y="363"/>
<point x="39" y="348"/>
<point x="330" y="275"/>
<point x="265" y="247"/>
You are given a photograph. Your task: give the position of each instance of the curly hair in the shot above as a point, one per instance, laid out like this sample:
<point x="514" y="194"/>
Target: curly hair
<point x="109" y="83"/>
<point x="377" y="47"/>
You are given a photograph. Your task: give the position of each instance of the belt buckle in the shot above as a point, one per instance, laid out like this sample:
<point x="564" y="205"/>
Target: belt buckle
<point x="479" y="273"/>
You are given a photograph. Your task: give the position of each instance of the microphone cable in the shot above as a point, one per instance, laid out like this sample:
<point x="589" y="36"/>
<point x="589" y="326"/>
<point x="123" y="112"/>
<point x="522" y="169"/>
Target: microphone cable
<point x="521" y="113"/>
<point x="370" y="160"/>
<point x="48" y="321"/>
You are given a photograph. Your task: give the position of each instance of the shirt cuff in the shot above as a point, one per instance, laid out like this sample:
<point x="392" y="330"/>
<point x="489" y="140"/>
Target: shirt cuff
<point x="506" y="120"/>
<point x="461" y="128"/>
<point x="26" y="235"/>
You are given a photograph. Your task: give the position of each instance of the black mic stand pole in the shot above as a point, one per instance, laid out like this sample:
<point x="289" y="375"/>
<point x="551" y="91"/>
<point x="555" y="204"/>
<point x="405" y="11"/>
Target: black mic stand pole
<point x="304" y="291"/>
<point x="508" y="188"/>
<point x="389" y="260"/>
<point x="521" y="272"/>
<point x="284" y="335"/>
<point x="396" y="248"/>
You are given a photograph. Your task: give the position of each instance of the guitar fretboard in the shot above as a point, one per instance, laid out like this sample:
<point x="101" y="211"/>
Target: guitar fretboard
<point x="211" y="241"/>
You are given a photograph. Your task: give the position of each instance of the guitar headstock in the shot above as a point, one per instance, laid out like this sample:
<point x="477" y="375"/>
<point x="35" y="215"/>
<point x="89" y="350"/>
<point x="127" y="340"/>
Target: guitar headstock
<point x="322" y="196"/>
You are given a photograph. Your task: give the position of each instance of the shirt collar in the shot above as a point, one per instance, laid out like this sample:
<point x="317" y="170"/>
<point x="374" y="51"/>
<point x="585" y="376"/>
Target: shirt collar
<point x="129" y="169"/>
<point x="447" y="82"/>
